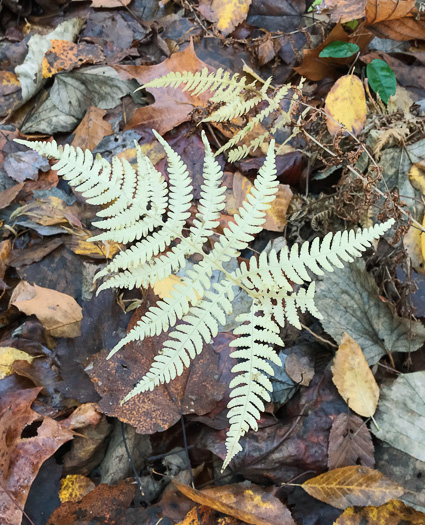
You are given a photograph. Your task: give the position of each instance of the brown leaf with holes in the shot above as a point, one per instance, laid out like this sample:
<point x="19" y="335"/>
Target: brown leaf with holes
<point x="196" y="391"/>
<point x="350" y="443"/>
<point x="171" y="106"/>
<point x="395" y="19"/>
<point x="91" y="129"/>
<point x="353" y="486"/>
<point x="392" y="513"/>
<point x="25" y="445"/>
<point x="59" y="313"/>
<point x="66" y="56"/>
<point x="354" y="379"/>
<point x="245" y="501"/>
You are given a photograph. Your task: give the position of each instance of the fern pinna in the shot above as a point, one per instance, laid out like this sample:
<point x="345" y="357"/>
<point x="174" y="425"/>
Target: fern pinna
<point x="144" y="212"/>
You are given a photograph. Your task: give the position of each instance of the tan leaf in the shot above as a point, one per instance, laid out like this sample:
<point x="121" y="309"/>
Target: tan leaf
<point x="110" y="3"/>
<point x="226" y="13"/>
<point x="394" y="19"/>
<point x="248" y="503"/>
<point x="8" y="356"/>
<point x="344" y="10"/>
<point x="392" y="513"/>
<point x="276" y="214"/>
<point x="354" y="379"/>
<point x="353" y="486"/>
<point x="59" y="313"/>
<point x="346" y="104"/>
<point x="91" y="129"/>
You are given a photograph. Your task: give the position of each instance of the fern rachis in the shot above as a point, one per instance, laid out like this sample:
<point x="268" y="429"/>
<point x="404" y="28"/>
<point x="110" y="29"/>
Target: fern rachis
<point x="138" y="200"/>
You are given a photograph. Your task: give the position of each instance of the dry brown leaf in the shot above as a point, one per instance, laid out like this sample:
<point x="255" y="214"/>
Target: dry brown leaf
<point x="350" y="443"/>
<point x="59" y="313"/>
<point x="276" y="214"/>
<point x="171" y="106"/>
<point x="65" y="56"/>
<point x="246" y="502"/>
<point x="226" y="13"/>
<point x="346" y="104"/>
<point x="395" y="19"/>
<point x="344" y="10"/>
<point x="5" y="256"/>
<point x="392" y="513"/>
<point x="353" y="486"/>
<point x="91" y="129"/>
<point x="7" y="196"/>
<point x="354" y="379"/>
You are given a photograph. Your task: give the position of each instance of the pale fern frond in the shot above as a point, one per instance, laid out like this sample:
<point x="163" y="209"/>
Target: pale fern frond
<point x="251" y="387"/>
<point x="233" y="109"/>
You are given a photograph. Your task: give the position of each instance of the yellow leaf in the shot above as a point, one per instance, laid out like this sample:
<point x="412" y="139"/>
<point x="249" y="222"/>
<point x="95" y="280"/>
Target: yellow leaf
<point x="164" y="286"/>
<point x="227" y="13"/>
<point x="74" y="487"/>
<point x="353" y="486"/>
<point x="354" y="379"/>
<point x="417" y="176"/>
<point x="346" y="104"/>
<point x="392" y="513"/>
<point x="423" y="240"/>
<point x="8" y="355"/>
<point x="96" y="250"/>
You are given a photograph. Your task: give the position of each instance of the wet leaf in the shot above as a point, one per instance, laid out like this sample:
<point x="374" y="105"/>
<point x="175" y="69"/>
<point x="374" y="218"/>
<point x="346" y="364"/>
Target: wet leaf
<point x="381" y="79"/>
<point x="339" y="49"/>
<point x="22" y="458"/>
<point x="392" y="513"/>
<point x="346" y="104"/>
<point x="353" y="486"/>
<point x="226" y="13"/>
<point x="354" y="379"/>
<point x="8" y="356"/>
<point x="60" y="314"/>
<point x="246" y="502"/>
<point x="74" y="487"/>
<point x="171" y="106"/>
<point x="352" y="304"/>
<point x="350" y="443"/>
<point x="401" y="414"/>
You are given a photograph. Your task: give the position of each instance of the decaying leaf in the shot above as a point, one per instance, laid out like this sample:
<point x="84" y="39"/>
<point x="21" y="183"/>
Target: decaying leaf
<point x="392" y="513"/>
<point x="246" y="502"/>
<point x="346" y="104"/>
<point x="350" y="443"/>
<point x="24" y="165"/>
<point x="352" y="304"/>
<point x="74" y="487"/>
<point x="226" y="13"/>
<point x="59" y="313"/>
<point x="353" y="486"/>
<point x="354" y="379"/>
<point x="65" y="56"/>
<point x="8" y="355"/>
<point x="400" y="417"/>
<point x="21" y="458"/>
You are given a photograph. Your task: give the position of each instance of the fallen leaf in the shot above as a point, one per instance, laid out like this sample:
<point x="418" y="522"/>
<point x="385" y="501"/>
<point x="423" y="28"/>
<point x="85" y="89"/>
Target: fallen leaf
<point x="354" y="379"/>
<point x="91" y="129"/>
<point x="226" y="13"/>
<point x="163" y="287"/>
<point x="5" y="256"/>
<point x="74" y="487"/>
<point x="34" y="253"/>
<point x="60" y="314"/>
<point x="400" y="417"/>
<point x="246" y="502"/>
<point x="171" y="106"/>
<point x="24" y="165"/>
<point x="103" y="502"/>
<point x="394" y="19"/>
<point x="207" y="516"/>
<point x="392" y="513"/>
<point x="8" y="356"/>
<point x="21" y="457"/>
<point x="276" y="214"/>
<point x="83" y="416"/>
<point x="64" y="55"/>
<point x="300" y="368"/>
<point x="95" y="250"/>
<point x="346" y="104"/>
<point x="108" y="4"/>
<point x="10" y="93"/>
<point x="353" y="486"/>
<point x="350" y="298"/>
<point x="7" y="196"/>
<point x="350" y="443"/>
<point x="343" y="10"/>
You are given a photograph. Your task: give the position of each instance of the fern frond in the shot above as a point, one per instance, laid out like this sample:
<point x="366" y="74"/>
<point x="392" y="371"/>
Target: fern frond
<point x="186" y="341"/>
<point x="233" y="109"/>
<point x="251" y="387"/>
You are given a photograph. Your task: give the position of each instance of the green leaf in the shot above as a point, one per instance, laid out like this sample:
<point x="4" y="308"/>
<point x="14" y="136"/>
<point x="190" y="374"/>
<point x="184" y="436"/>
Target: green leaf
<point x="339" y="49"/>
<point x="381" y="79"/>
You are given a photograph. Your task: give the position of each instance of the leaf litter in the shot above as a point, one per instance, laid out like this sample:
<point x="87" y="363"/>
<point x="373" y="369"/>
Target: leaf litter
<point x="71" y="76"/>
